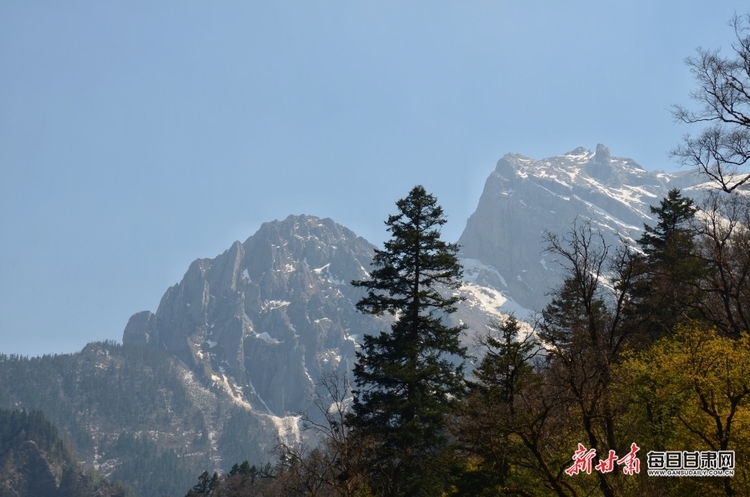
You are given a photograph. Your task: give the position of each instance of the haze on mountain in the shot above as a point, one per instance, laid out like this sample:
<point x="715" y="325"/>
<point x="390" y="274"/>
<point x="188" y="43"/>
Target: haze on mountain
<point x="35" y="461"/>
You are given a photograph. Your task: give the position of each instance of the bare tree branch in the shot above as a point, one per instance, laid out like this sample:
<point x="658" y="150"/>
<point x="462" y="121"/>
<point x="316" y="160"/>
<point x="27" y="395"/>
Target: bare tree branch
<point x="721" y="149"/>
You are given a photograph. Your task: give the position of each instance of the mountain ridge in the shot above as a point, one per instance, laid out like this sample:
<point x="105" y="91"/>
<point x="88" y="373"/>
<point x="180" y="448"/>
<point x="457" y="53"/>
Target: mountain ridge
<point x="230" y="316"/>
<point x="523" y="199"/>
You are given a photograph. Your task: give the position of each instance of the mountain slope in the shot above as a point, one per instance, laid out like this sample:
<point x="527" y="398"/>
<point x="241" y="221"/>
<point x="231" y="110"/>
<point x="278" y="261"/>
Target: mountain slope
<point x="267" y="317"/>
<point x="34" y="461"/>
<point x="524" y="198"/>
<point x="108" y="395"/>
<point x="221" y="369"/>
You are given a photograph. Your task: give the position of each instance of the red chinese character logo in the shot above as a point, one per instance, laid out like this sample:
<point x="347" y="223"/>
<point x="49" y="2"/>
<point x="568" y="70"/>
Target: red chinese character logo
<point x="608" y="464"/>
<point x="631" y="464"/>
<point x="582" y="460"/>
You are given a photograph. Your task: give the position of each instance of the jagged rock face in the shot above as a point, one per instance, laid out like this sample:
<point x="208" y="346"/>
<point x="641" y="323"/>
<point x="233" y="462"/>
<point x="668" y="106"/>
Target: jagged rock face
<point x="267" y="317"/>
<point x="524" y="198"/>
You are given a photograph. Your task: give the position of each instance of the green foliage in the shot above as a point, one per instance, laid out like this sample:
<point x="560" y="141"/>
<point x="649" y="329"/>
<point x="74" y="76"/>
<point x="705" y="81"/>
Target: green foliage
<point x="242" y="469"/>
<point x="18" y="426"/>
<point x="667" y="290"/>
<point x="127" y="385"/>
<point x="506" y="365"/>
<point x="585" y="334"/>
<point x="147" y="469"/>
<point x="240" y="434"/>
<point x="407" y="382"/>
<point x="206" y="484"/>
<point x="691" y="391"/>
<point x="243" y="480"/>
<point x="672" y="237"/>
<point x="489" y="419"/>
<point x="416" y="425"/>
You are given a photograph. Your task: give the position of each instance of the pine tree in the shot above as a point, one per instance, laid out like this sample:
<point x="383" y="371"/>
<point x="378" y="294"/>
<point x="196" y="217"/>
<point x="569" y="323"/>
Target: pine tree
<point x="489" y="427"/>
<point x="409" y="380"/>
<point x="667" y="290"/>
<point x="671" y="238"/>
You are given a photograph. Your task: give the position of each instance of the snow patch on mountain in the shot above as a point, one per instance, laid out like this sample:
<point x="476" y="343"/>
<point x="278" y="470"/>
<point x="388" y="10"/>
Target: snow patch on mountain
<point x="473" y="269"/>
<point x="272" y="305"/>
<point x="485" y="289"/>
<point x="267" y="338"/>
<point x="288" y="428"/>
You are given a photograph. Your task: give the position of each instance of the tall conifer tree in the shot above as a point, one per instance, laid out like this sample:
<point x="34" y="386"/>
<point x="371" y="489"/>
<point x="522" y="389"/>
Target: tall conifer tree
<point x="667" y="290"/>
<point x="409" y="380"/>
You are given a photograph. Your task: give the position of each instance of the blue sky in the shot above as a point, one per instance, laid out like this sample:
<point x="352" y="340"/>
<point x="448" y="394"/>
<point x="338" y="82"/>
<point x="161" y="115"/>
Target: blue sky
<point x="138" y="136"/>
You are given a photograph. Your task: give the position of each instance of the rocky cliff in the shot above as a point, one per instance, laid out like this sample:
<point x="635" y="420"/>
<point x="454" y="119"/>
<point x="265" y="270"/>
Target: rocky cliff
<point x="268" y="317"/>
<point x="524" y="198"/>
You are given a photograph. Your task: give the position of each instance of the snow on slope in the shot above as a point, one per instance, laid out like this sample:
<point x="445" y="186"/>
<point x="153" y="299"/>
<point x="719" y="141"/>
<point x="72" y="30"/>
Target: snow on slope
<point x="524" y="200"/>
<point x="482" y="292"/>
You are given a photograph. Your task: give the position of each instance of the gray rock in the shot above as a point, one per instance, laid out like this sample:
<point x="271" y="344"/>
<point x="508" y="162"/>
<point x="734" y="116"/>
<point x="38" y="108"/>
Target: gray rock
<point x="139" y="328"/>
<point x="524" y="198"/>
<point x="268" y="317"/>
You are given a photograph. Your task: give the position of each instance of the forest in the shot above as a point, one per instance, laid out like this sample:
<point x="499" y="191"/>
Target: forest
<point x="138" y="388"/>
<point x="34" y="460"/>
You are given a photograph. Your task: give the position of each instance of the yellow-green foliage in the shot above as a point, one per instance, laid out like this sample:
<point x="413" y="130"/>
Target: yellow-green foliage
<point x="691" y="391"/>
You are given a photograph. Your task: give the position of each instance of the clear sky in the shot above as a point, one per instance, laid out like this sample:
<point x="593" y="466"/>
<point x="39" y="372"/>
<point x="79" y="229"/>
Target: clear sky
<point x="137" y="136"/>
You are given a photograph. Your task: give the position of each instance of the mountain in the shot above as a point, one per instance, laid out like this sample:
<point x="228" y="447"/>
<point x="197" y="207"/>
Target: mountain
<point x="234" y="350"/>
<point x="133" y="414"/>
<point x="223" y="367"/>
<point x="269" y="316"/>
<point x="523" y="199"/>
<point x="266" y="319"/>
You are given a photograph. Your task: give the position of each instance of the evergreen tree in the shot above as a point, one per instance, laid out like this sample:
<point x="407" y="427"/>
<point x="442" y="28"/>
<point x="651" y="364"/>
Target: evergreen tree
<point x="506" y="363"/>
<point x="672" y="237"/>
<point x="667" y="289"/>
<point x="409" y="380"/>
<point x="206" y="484"/>
<point x="489" y="426"/>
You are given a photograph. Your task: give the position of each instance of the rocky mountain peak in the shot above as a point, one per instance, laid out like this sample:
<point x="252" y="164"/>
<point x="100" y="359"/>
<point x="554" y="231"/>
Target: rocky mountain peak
<point x="601" y="167"/>
<point x="578" y="151"/>
<point x="602" y="155"/>
<point x="524" y="198"/>
<point x="267" y="317"/>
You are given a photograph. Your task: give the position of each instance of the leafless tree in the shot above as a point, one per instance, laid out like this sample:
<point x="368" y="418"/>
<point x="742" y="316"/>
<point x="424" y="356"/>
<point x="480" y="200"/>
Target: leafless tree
<point x="722" y="148"/>
<point x="335" y="465"/>
<point x="509" y="424"/>
<point x="585" y="331"/>
<point x="724" y="235"/>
